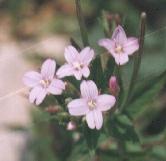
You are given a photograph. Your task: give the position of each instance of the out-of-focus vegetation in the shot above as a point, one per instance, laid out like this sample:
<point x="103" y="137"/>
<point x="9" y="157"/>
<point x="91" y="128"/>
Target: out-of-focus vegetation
<point x="29" y="20"/>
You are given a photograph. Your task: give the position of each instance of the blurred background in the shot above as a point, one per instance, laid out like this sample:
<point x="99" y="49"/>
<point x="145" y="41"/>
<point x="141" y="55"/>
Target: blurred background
<point x="33" y="30"/>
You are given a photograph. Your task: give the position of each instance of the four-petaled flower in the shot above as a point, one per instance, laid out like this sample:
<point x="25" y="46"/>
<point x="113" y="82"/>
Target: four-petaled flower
<point x="91" y="104"/>
<point x="119" y="46"/>
<point x="77" y="63"/>
<point x="44" y="82"/>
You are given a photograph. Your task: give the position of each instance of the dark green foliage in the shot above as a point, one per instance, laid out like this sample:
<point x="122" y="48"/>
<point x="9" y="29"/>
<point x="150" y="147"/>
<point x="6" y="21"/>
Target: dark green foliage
<point x="121" y="128"/>
<point x="91" y="137"/>
<point x="97" y="73"/>
<point x="145" y="93"/>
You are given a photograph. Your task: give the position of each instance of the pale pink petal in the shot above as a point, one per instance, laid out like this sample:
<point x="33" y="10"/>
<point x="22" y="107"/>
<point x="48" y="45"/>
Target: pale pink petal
<point x="105" y="102"/>
<point x="119" y="35"/>
<point x="94" y="119"/>
<point x="37" y="95"/>
<point x="121" y="59"/>
<point x="71" y="54"/>
<point x="98" y="118"/>
<point x="89" y="89"/>
<point x="56" y="87"/>
<point x="108" y="44"/>
<point x="131" y="46"/>
<point x="65" y="70"/>
<point x="90" y="120"/>
<point x="48" y="69"/>
<point x="77" y="74"/>
<point x="32" y="78"/>
<point x="78" y="107"/>
<point x="85" y="72"/>
<point x="87" y="54"/>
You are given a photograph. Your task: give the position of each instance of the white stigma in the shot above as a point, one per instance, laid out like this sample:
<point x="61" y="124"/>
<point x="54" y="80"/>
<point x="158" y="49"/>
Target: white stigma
<point x="77" y="65"/>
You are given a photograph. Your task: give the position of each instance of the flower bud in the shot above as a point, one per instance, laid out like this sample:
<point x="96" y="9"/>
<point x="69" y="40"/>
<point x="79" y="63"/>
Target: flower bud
<point x="114" y="86"/>
<point x="52" y="109"/>
<point x="71" y="126"/>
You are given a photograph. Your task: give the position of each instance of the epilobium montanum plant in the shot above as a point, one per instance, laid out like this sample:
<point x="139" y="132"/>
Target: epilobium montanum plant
<point x="91" y="100"/>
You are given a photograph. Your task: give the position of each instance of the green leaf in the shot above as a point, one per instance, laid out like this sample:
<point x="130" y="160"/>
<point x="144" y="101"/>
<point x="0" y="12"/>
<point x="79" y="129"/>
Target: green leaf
<point x="79" y="150"/>
<point x="97" y="74"/>
<point x="109" y="68"/>
<point x="135" y="150"/>
<point x="144" y="94"/>
<point x="91" y="137"/>
<point x="147" y="84"/>
<point x="159" y="152"/>
<point x="107" y="155"/>
<point x="121" y="128"/>
<point x="74" y="82"/>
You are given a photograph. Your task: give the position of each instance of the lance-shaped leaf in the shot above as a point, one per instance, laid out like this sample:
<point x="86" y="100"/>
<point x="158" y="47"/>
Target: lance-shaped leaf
<point x="121" y="128"/>
<point x="91" y="137"/>
<point x="144" y="94"/>
<point x="97" y="74"/>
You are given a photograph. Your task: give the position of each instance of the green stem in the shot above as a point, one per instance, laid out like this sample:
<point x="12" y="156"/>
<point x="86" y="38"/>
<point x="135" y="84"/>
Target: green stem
<point x="105" y="25"/>
<point x="74" y="43"/>
<point x="121" y="150"/>
<point x="117" y="72"/>
<point x="92" y="154"/>
<point x="81" y="22"/>
<point x="137" y="60"/>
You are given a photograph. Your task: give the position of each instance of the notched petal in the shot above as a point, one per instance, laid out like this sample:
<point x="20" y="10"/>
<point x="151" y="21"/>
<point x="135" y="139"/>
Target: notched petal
<point x="48" y="69"/>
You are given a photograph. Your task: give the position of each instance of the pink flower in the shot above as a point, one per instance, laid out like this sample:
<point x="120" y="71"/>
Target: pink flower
<point x="43" y="83"/>
<point x="91" y="104"/>
<point x="120" y="46"/>
<point x="114" y="86"/>
<point x="77" y="63"/>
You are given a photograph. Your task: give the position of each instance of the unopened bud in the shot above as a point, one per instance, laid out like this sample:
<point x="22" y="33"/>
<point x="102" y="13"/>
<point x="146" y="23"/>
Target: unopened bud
<point x="71" y="126"/>
<point x="114" y="86"/>
<point x="52" y="109"/>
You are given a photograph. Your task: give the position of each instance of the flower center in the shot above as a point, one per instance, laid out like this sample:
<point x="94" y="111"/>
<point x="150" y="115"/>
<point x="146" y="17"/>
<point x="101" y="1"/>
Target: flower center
<point x="119" y="49"/>
<point x="45" y="83"/>
<point x="77" y="65"/>
<point x="92" y="104"/>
